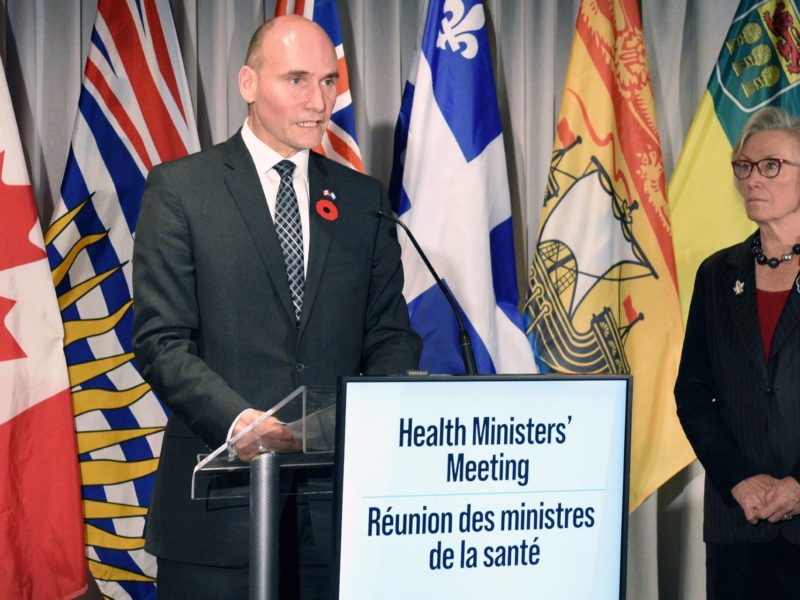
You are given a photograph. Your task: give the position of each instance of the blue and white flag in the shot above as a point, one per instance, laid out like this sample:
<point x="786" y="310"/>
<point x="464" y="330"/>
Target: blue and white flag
<point x="450" y="186"/>
<point x="134" y="111"/>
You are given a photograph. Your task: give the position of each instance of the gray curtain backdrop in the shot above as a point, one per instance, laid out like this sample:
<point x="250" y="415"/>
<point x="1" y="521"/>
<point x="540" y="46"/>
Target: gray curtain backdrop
<point x="43" y="45"/>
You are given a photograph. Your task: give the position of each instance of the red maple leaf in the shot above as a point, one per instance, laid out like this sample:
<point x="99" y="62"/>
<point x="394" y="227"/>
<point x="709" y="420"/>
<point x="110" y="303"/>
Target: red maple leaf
<point x="17" y="218"/>
<point x="9" y="348"/>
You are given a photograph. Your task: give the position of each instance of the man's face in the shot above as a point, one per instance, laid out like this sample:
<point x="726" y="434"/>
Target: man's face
<point x="291" y="90"/>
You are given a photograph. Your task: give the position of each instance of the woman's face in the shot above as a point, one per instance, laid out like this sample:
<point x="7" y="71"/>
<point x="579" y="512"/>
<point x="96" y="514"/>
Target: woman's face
<point x="771" y="200"/>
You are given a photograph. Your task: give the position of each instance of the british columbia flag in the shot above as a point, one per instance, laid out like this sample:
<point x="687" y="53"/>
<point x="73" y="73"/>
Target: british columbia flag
<point x="339" y="142"/>
<point x="134" y="112"/>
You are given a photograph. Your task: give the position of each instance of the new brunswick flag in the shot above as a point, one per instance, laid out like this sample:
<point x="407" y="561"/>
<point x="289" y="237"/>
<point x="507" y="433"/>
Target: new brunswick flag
<point x="758" y="65"/>
<point x="602" y="294"/>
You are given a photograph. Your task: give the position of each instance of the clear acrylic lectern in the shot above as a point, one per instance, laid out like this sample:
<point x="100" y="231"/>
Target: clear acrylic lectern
<point x="222" y="475"/>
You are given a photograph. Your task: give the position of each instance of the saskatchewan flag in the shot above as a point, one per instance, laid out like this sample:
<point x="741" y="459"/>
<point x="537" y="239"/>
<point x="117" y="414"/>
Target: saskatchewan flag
<point x="602" y="294"/>
<point x="758" y="65"/>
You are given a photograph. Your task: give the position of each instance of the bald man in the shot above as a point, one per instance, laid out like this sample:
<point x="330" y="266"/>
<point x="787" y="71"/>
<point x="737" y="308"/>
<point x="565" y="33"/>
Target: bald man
<point x="232" y="313"/>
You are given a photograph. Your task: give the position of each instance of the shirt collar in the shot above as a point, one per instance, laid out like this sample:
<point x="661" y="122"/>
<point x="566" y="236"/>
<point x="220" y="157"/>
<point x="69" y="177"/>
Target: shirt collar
<point x="265" y="157"/>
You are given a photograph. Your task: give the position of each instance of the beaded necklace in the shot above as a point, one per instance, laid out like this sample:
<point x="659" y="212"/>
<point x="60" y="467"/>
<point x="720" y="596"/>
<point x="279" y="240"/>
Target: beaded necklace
<point x="773" y="262"/>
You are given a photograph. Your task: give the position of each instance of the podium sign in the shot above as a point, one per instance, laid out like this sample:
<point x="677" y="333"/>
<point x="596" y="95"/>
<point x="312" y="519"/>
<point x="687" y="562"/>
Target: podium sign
<point x="483" y="487"/>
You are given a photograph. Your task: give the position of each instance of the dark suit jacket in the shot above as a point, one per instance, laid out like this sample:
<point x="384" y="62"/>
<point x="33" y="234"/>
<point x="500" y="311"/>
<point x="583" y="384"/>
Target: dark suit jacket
<point x="214" y="328"/>
<point x="741" y="415"/>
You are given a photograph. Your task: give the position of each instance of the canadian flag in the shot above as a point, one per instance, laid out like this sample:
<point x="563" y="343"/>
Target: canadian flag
<point x="41" y="520"/>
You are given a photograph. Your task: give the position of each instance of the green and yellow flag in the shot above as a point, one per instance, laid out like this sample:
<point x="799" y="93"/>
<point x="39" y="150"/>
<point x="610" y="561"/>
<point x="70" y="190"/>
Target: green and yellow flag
<point x="758" y="65"/>
<point x="602" y="294"/>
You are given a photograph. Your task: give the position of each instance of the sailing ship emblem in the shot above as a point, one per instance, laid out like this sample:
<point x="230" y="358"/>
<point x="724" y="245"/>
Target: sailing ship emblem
<point x="586" y="241"/>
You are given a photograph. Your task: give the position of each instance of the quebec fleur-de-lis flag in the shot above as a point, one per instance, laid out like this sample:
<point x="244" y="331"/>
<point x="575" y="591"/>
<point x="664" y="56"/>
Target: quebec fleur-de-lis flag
<point x="602" y="294"/>
<point x="758" y="65"/>
<point x="450" y="186"/>
<point x="134" y="112"/>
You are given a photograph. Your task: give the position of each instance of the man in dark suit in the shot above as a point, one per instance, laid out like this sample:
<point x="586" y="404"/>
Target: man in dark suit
<point x="252" y="277"/>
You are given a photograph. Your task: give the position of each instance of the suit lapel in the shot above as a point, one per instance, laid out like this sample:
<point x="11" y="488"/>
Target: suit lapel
<point x="740" y="275"/>
<point x="789" y="319"/>
<point x="321" y="231"/>
<point x="245" y="188"/>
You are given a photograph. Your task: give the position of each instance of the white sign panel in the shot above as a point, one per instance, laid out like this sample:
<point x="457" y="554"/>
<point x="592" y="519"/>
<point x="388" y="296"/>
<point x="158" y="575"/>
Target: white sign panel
<point x="476" y="488"/>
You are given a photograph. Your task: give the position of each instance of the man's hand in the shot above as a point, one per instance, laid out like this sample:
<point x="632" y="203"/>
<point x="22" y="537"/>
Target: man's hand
<point x="751" y="494"/>
<point x="270" y="434"/>
<point x="783" y="500"/>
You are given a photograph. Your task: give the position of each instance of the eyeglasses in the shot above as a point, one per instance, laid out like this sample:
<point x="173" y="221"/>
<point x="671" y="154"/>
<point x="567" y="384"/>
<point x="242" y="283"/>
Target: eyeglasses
<point x="767" y="167"/>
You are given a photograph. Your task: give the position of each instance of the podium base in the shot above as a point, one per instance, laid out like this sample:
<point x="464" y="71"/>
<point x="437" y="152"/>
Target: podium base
<point x="264" y="532"/>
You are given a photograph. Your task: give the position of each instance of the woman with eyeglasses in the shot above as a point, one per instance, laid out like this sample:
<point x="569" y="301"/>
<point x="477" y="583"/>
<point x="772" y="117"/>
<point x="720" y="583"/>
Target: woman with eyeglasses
<point x="738" y="386"/>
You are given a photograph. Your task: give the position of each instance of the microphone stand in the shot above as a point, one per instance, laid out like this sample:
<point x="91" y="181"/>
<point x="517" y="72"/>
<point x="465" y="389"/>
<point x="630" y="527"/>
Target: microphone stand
<point x="464" y="340"/>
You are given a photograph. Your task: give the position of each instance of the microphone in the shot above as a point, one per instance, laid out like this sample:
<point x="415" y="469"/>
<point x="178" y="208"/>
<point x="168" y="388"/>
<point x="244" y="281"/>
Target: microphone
<point x="463" y="335"/>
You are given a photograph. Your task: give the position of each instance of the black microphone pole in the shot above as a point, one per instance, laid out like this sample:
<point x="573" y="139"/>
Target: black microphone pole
<point x="463" y="335"/>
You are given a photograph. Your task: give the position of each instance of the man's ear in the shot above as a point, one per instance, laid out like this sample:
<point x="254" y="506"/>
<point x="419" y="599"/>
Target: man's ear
<point x="247" y="84"/>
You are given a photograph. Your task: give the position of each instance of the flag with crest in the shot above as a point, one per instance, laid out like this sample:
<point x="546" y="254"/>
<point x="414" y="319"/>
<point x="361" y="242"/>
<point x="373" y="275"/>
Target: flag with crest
<point x="339" y="141"/>
<point x="41" y="523"/>
<point x="134" y="112"/>
<point x="758" y="66"/>
<point x="602" y="295"/>
<point x="450" y="186"/>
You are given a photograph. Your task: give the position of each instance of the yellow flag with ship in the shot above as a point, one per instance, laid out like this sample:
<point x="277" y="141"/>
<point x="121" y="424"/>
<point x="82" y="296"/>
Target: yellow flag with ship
<point x="602" y="294"/>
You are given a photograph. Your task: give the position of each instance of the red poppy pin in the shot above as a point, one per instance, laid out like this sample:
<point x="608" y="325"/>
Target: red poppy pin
<point x="325" y="206"/>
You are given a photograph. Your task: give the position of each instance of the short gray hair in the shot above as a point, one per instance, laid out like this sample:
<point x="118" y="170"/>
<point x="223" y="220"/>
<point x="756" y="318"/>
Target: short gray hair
<point x="770" y="118"/>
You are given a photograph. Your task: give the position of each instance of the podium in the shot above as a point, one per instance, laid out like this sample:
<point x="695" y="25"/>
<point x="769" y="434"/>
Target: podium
<point x="476" y="487"/>
<point x="222" y="475"/>
<point x="453" y="486"/>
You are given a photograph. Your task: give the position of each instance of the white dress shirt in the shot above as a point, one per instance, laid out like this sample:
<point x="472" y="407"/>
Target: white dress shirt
<point x="265" y="159"/>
